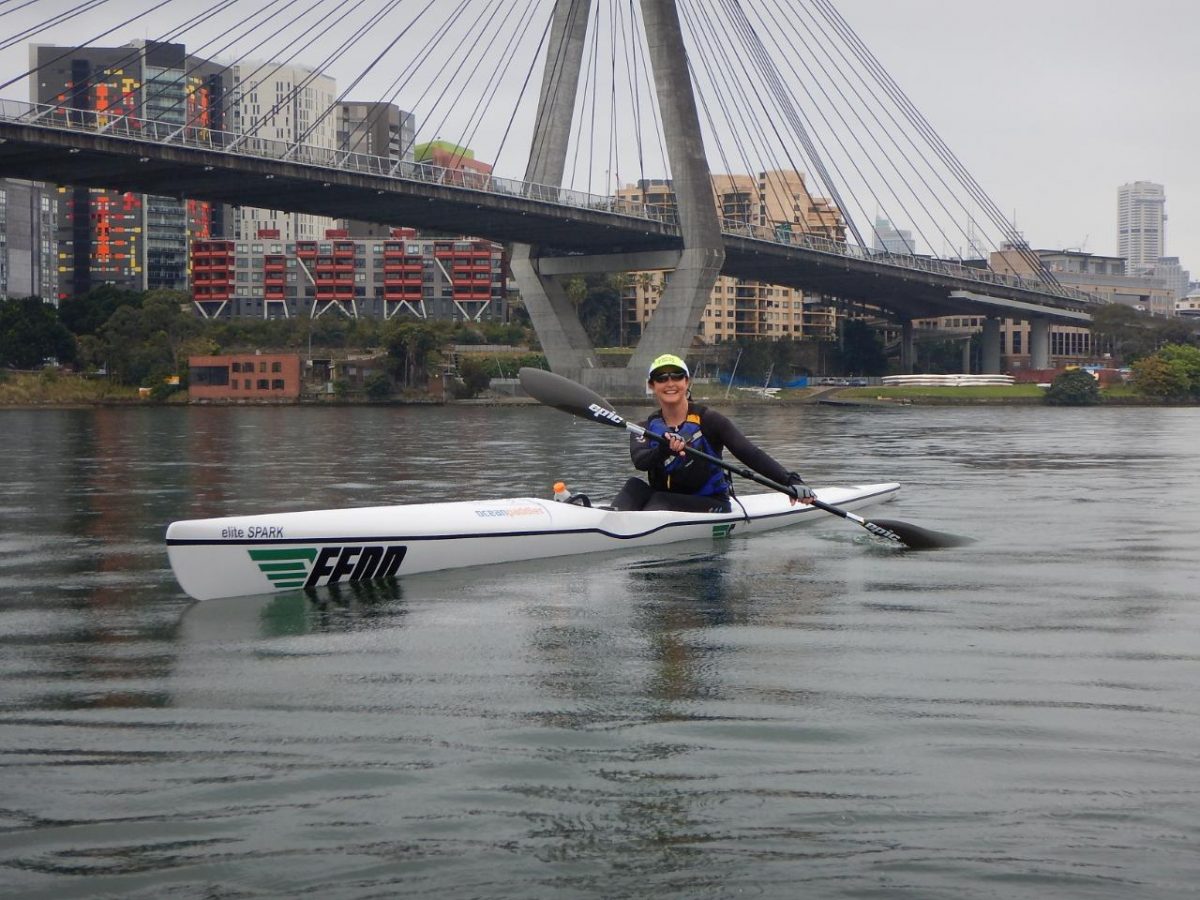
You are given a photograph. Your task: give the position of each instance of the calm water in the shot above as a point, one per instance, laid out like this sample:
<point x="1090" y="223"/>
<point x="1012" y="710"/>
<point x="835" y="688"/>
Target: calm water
<point x="803" y="713"/>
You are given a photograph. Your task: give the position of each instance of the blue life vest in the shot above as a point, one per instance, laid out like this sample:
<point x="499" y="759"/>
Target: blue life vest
<point x="687" y="474"/>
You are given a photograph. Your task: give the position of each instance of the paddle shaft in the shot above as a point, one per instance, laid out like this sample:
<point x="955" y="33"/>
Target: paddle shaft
<point x="577" y="400"/>
<point x="878" y="530"/>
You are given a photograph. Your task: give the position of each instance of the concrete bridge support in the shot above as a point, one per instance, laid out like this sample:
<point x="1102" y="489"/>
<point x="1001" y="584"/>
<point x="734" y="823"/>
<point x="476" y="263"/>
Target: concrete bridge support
<point x="907" y="347"/>
<point x="1039" y="343"/>
<point x="567" y="346"/>
<point x="681" y="306"/>
<point x="990" y="364"/>
<point x="677" y="317"/>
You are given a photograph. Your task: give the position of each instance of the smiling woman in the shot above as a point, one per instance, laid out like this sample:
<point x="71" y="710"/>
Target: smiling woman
<point x="682" y="480"/>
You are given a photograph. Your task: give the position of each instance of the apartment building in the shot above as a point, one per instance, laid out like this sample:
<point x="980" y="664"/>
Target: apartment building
<point x="134" y="241"/>
<point x="28" y="240"/>
<point x="740" y="309"/>
<point x="280" y="104"/>
<point x="402" y="274"/>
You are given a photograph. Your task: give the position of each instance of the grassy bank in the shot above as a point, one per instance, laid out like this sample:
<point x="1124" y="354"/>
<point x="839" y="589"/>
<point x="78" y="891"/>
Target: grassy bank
<point x="58" y="389"/>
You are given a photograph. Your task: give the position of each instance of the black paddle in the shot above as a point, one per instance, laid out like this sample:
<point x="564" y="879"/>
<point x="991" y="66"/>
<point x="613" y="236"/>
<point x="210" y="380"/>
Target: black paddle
<point x="571" y="397"/>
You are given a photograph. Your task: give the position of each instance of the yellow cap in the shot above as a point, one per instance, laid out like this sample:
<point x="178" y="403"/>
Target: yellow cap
<point x="666" y="361"/>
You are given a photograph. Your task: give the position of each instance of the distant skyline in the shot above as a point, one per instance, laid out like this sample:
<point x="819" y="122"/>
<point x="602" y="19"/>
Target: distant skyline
<point x="1050" y="105"/>
<point x="1054" y="104"/>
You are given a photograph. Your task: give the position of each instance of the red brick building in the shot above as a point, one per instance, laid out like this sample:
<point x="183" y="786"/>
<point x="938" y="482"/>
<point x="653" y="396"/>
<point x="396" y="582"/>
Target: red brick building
<point x="263" y="377"/>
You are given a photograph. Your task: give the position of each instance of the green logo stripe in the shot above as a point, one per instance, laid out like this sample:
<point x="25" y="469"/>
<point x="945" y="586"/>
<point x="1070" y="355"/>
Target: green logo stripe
<point x="285" y="568"/>
<point x="309" y="553"/>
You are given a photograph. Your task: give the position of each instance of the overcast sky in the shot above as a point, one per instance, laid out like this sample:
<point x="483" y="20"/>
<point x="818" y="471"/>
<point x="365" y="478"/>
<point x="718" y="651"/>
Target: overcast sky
<point x="1050" y="104"/>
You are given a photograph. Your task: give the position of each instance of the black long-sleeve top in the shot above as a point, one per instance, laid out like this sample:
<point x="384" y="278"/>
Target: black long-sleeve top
<point x="722" y="434"/>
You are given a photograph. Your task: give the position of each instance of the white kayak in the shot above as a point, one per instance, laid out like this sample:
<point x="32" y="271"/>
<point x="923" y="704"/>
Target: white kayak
<point x="242" y="555"/>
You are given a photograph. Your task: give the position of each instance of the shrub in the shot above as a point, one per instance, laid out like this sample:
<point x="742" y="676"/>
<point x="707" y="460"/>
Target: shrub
<point x="1159" y="378"/>
<point x="1075" y="387"/>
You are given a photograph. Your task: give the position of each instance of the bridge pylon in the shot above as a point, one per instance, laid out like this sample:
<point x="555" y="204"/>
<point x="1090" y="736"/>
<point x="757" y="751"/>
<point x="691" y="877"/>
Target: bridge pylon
<point x="568" y="349"/>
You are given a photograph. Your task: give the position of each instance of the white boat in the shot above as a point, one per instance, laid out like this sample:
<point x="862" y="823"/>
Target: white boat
<point x="242" y="555"/>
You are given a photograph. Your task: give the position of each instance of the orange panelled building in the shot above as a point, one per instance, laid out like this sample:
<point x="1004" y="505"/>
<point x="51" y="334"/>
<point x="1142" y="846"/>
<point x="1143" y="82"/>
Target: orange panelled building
<point x="263" y="377"/>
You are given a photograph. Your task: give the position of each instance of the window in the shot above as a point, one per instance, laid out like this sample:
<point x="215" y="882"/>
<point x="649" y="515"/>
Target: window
<point x="277" y="366"/>
<point x="209" y="376"/>
<point x="277" y="384"/>
<point x="236" y="367"/>
<point x="262" y="367"/>
<point x="263" y="384"/>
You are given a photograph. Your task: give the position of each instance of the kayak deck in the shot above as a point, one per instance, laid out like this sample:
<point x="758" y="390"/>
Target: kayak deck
<point x="243" y="555"/>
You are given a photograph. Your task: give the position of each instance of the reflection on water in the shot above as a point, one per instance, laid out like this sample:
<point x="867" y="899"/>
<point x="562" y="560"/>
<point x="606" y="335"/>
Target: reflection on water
<point x="800" y="712"/>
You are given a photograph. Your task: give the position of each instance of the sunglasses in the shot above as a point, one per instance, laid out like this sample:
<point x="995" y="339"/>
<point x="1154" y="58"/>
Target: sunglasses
<point x="664" y="377"/>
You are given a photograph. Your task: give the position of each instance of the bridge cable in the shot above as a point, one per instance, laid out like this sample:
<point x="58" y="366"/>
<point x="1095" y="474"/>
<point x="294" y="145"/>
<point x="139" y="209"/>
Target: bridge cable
<point x="555" y="60"/>
<point x="78" y="10"/>
<point x="787" y="104"/>
<point x="524" y="86"/>
<point x="313" y="72"/>
<point x="521" y="24"/>
<point x="200" y="63"/>
<point x="707" y="54"/>
<point x="814" y="160"/>
<point x="804" y="133"/>
<point x="885" y="80"/>
<point x="890" y="133"/>
<point x="470" y="45"/>
<point x="64" y="16"/>
<point x="120" y="62"/>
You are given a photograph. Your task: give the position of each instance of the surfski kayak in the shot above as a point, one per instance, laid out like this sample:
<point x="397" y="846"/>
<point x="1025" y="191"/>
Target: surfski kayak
<point x="259" y="554"/>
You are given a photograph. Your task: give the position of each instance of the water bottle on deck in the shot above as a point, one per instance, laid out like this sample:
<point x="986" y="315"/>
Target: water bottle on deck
<point x="562" y="495"/>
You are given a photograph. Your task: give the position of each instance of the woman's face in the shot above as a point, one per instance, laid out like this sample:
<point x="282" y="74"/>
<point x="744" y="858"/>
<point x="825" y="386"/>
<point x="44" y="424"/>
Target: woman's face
<point x="670" y="390"/>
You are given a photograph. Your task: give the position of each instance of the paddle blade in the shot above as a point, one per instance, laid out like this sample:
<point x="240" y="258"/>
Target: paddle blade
<point x="914" y="536"/>
<point x="568" y="396"/>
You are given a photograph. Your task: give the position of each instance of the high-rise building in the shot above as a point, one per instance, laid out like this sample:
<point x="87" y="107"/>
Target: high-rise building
<point x="278" y="104"/>
<point x="1174" y="275"/>
<point x="134" y="241"/>
<point x="1141" y="224"/>
<point x="887" y="238"/>
<point x="381" y="130"/>
<point x="28" y="251"/>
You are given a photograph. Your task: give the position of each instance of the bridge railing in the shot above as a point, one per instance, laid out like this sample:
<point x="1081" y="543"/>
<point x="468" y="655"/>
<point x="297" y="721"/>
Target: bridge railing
<point x="159" y="131"/>
<point x="822" y="244"/>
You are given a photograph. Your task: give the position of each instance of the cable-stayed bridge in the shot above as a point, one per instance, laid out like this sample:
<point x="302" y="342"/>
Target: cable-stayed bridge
<point x="559" y="230"/>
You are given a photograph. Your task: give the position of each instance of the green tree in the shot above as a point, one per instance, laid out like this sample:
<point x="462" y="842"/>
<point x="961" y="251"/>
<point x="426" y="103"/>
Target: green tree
<point x="862" y="352"/>
<point x="1122" y="332"/>
<point x="416" y="349"/>
<point x="1187" y="359"/>
<point x="87" y="313"/>
<point x="1159" y="378"/>
<point x="1074" y="387"/>
<point x="30" y="331"/>
<point x="378" y="386"/>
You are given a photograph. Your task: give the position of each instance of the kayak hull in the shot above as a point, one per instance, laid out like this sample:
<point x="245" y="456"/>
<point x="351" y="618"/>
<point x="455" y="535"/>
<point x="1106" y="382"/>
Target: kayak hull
<point x="244" y="555"/>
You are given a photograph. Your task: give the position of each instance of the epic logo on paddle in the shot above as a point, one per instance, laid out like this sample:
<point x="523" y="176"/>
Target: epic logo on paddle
<point x="599" y="412"/>
<point x="312" y="567"/>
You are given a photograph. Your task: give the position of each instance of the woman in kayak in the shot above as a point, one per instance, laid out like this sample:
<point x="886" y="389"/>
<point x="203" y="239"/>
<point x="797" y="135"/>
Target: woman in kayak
<point x="677" y="480"/>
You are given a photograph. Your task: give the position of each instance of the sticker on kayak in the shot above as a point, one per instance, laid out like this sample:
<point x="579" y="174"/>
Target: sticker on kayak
<point x="723" y="530"/>
<point x="509" y="512"/>
<point x="305" y="567"/>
